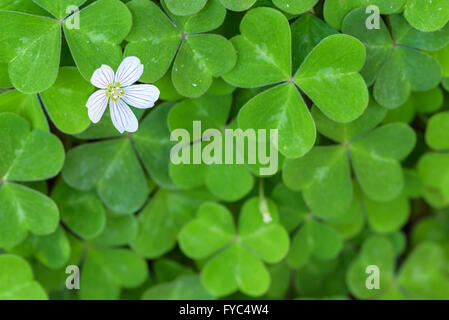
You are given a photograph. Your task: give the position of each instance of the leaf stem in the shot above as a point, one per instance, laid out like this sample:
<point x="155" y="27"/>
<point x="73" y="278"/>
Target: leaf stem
<point x="263" y="204"/>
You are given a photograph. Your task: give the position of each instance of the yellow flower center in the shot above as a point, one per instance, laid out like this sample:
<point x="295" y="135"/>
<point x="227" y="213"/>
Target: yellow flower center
<point x="114" y="91"/>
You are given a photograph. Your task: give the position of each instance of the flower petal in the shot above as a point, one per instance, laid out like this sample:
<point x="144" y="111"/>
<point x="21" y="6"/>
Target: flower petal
<point x="96" y="105"/>
<point x="129" y="71"/>
<point x="102" y="77"/>
<point x="122" y="117"/>
<point x="141" y="96"/>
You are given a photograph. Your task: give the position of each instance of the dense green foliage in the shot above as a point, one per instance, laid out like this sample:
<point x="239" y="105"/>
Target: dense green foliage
<point x="363" y="178"/>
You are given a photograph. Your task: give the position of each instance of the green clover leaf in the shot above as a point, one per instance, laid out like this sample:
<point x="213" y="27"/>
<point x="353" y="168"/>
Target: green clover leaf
<point x="355" y="173"/>
<point x="295" y="6"/>
<point x="376" y="251"/>
<point x="52" y="250"/>
<point x="200" y="57"/>
<point x="314" y="238"/>
<point x="442" y="55"/>
<point x="419" y="102"/>
<point x="105" y="271"/>
<point x="65" y="101"/>
<point x="27" y="155"/>
<point x="336" y="10"/>
<point x="42" y="40"/>
<point x="166" y="270"/>
<point x="432" y="166"/>
<point x="105" y="164"/>
<point x="421" y="276"/>
<point x="97" y="258"/>
<point x="81" y="211"/>
<point x="307" y="32"/>
<point x="291" y="206"/>
<point x="389" y="216"/>
<point x="34" y="42"/>
<point x="393" y="61"/>
<point x="226" y="181"/>
<point x="429" y="261"/>
<point x="23" y="6"/>
<point x="185" y="287"/>
<point x="5" y="82"/>
<point x="118" y="230"/>
<point x="58" y="7"/>
<point x="238" y="5"/>
<point x="427" y="15"/>
<point x="25" y="105"/>
<point x="264" y="48"/>
<point x="185" y="8"/>
<point x="163" y="217"/>
<point x="16" y="280"/>
<point x="437" y="133"/>
<point x="257" y="238"/>
<point x="153" y="144"/>
<point x="325" y="171"/>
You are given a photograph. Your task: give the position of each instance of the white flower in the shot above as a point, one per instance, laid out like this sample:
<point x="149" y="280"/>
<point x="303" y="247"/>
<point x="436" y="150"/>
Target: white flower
<point x="117" y="91"/>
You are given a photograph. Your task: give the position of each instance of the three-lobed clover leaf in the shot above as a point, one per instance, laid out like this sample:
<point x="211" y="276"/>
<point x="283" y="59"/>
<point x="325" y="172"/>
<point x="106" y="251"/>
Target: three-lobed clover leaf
<point x="27" y="155"/>
<point x="33" y="42"/>
<point x="325" y="171"/>
<point x="236" y="254"/>
<point x="328" y="75"/>
<point x="198" y="57"/>
<point x="395" y="65"/>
